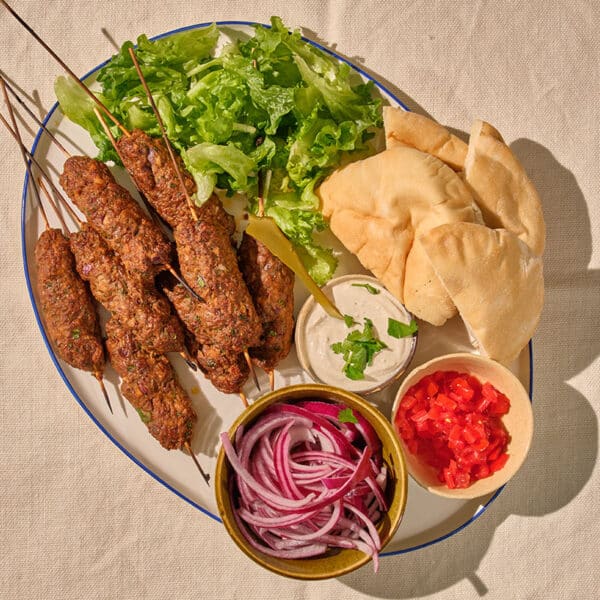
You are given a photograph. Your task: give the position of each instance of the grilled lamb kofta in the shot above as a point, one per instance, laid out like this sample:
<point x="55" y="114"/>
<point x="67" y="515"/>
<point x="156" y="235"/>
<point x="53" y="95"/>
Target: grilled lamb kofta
<point x="112" y="211"/>
<point x="150" y="384"/>
<point x="67" y="306"/>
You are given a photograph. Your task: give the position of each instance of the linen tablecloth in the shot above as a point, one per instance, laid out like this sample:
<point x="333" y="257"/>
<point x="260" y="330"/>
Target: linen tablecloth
<point x="79" y="520"/>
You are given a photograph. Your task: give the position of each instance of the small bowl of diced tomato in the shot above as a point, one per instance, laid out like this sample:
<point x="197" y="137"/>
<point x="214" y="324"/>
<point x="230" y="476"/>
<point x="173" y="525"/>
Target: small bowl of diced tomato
<point x="465" y="423"/>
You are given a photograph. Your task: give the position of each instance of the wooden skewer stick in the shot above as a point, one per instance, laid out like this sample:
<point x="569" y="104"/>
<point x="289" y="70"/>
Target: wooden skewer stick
<point x="64" y="203"/>
<point x="189" y="361"/>
<point x="271" y="373"/>
<point x="188" y="198"/>
<point x="44" y="215"/>
<point x="40" y="169"/>
<point x="37" y="120"/>
<point x="65" y="67"/>
<point x="19" y="140"/>
<point x="100" y="379"/>
<point x="244" y="399"/>
<point x="206" y="476"/>
<point x="251" y="367"/>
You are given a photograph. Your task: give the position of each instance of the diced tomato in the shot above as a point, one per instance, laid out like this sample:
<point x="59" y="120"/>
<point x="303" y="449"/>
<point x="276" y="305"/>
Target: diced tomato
<point x="489" y="391"/>
<point x="501" y="406"/>
<point x="408" y="402"/>
<point x="460" y="386"/>
<point x="432" y="388"/>
<point x="497" y="464"/>
<point x="452" y="422"/>
<point x="481" y="471"/>
<point x="445" y="402"/>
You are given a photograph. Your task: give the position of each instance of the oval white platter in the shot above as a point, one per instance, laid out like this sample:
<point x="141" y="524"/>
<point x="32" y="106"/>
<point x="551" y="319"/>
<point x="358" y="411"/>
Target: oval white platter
<point x="428" y="518"/>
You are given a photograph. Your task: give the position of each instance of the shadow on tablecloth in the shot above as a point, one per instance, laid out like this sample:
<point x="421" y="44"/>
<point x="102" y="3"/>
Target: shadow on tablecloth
<point x="565" y="446"/>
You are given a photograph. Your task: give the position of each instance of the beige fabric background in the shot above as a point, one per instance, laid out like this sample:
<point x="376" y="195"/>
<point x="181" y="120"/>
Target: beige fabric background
<point x="79" y="521"/>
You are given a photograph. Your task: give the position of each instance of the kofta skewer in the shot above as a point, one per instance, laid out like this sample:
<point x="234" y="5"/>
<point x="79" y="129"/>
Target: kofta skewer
<point x="69" y="313"/>
<point x="227" y="371"/>
<point x="150" y="384"/>
<point x="67" y="304"/>
<point x="165" y="137"/>
<point x="221" y="366"/>
<point x="126" y="134"/>
<point x="179" y="173"/>
<point x="114" y="214"/>
<point x="271" y="285"/>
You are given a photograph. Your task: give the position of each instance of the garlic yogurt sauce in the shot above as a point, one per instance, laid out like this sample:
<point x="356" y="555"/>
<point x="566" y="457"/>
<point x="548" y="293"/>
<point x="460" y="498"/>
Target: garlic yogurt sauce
<point x="360" y="297"/>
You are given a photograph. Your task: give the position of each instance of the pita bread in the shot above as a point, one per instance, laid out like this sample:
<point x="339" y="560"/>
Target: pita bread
<point x="405" y="128"/>
<point x="376" y="206"/>
<point x="495" y="281"/>
<point x="504" y="193"/>
<point x="484" y="128"/>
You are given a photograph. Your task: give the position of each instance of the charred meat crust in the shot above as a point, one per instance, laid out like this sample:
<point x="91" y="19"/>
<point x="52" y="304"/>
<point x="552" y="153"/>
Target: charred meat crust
<point x="114" y="214"/>
<point x="271" y="285"/>
<point x="209" y="264"/>
<point x="226" y="370"/>
<point x="148" y="162"/>
<point x="67" y="306"/>
<point x="140" y="309"/>
<point x="150" y="384"/>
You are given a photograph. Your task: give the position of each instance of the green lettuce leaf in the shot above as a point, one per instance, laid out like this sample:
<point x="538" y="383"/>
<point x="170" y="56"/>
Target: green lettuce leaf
<point x="268" y="103"/>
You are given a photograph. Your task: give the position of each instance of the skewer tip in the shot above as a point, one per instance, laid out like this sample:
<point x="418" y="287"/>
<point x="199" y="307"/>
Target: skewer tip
<point x="244" y="399"/>
<point x="100" y="379"/>
<point x="189" y="361"/>
<point x="184" y="283"/>
<point x="205" y="475"/>
<point x="271" y="374"/>
<point x="252" y="370"/>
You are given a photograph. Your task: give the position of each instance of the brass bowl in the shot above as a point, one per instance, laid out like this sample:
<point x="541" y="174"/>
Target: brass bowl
<point x="335" y="562"/>
<point x="518" y="422"/>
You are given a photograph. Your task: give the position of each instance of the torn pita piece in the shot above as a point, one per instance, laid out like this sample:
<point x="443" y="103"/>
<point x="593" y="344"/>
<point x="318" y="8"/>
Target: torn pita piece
<point x="376" y="206"/>
<point x="504" y="193"/>
<point x="405" y="128"/>
<point x="495" y="281"/>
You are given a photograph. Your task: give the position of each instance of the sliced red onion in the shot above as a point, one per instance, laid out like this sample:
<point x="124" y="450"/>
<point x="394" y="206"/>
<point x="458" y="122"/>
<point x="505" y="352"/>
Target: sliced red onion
<point x="304" y="481"/>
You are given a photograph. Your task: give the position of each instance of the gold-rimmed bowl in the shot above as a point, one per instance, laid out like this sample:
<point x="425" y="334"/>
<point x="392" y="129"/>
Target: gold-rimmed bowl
<point x="518" y="422"/>
<point x="335" y="562"/>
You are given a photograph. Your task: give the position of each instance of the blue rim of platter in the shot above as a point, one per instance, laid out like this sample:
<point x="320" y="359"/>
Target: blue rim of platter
<point x="481" y="509"/>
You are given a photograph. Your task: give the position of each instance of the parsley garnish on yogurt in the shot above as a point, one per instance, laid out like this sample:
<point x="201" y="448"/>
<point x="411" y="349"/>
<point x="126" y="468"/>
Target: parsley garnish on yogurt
<point x="370" y="288"/>
<point x="358" y="349"/>
<point x="400" y="330"/>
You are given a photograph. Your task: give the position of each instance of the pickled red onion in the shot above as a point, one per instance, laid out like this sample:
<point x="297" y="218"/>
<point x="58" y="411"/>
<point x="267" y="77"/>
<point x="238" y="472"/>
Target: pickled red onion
<point x="303" y="482"/>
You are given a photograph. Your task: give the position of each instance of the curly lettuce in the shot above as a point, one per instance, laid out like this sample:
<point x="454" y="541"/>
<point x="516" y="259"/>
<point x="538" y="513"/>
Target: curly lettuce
<point x="272" y="103"/>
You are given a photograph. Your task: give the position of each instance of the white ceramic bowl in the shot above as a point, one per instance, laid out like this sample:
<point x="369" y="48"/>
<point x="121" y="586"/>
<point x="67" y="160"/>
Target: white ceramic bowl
<point x="518" y="422"/>
<point x="316" y="331"/>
